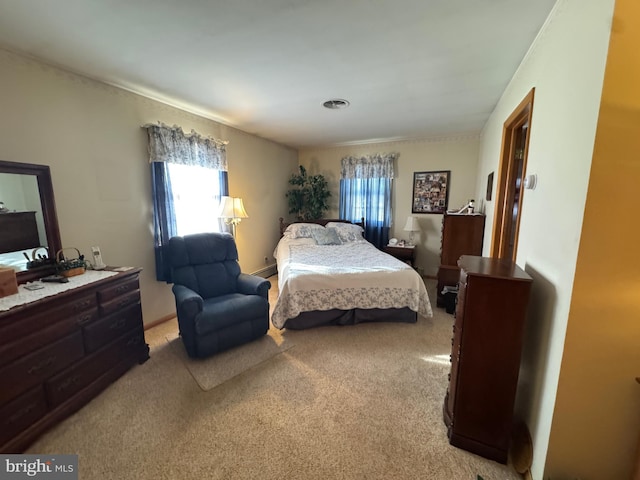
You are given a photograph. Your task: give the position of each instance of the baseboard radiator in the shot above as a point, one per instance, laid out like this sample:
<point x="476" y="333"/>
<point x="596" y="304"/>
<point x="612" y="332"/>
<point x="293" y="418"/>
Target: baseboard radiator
<point x="266" y="272"/>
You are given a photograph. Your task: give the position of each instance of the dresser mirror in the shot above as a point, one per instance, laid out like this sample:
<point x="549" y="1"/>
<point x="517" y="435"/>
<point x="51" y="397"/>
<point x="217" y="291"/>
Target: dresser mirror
<point x="29" y="233"/>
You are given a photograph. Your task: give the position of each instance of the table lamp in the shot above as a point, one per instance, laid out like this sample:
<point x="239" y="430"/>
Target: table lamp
<point x="411" y="226"/>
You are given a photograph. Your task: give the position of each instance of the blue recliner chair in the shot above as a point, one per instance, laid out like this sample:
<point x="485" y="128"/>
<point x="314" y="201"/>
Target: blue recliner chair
<point x="218" y="306"/>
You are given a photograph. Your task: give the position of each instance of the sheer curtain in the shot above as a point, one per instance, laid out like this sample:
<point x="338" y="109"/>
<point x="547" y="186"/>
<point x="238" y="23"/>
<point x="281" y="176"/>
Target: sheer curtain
<point x="188" y="175"/>
<point x="365" y="191"/>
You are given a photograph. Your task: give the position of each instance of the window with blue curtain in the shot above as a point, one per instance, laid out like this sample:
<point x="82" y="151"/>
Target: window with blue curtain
<point x="188" y="175"/>
<point x="365" y="191"/>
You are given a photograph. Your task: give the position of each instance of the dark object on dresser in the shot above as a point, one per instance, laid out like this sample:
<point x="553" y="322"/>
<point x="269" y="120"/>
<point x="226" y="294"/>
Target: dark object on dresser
<point x="485" y="359"/>
<point x="218" y="307"/>
<point x="461" y="235"/>
<point x="19" y="231"/>
<point x="59" y="352"/>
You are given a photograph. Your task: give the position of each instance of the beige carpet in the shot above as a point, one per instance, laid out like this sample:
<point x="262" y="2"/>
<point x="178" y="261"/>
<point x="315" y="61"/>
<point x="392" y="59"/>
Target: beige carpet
<point x="211" y="372"/>
<point x="356" y="402"/>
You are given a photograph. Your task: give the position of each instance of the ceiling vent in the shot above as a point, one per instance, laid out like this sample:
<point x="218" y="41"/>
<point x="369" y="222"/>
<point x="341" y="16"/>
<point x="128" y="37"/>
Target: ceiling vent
<point x="336" y="104"/>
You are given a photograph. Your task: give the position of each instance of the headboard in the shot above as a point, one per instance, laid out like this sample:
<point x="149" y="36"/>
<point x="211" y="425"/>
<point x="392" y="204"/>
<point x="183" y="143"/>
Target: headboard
<point x="320" y="221"/>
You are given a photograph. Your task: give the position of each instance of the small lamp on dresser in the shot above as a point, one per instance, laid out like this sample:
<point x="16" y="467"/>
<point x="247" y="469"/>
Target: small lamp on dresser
<point x="411" y="226"/>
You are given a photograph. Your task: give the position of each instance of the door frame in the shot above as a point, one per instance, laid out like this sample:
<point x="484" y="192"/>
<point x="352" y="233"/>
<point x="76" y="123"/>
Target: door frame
<point x="506" y="178"/>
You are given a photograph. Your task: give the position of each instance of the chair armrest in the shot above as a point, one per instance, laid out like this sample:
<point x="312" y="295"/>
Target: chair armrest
<point x="253" y="285"/>
<point x="188" y="302"/>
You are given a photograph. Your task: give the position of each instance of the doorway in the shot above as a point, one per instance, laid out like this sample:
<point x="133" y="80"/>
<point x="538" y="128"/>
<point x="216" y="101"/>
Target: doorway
<point x="511" y="173"/>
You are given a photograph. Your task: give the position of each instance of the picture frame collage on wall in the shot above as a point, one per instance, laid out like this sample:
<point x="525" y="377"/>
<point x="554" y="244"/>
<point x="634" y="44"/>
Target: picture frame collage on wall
<point x="430" y="192"/>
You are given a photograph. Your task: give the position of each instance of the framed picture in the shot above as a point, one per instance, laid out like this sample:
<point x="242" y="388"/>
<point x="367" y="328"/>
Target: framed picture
<point x="489" y="186"/>
<point x="430" y="192"/>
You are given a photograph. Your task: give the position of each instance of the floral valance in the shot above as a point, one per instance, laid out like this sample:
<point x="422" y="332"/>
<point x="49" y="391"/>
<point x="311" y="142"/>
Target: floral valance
<point x="368" y="166"/>
<point x="171" y="144"/>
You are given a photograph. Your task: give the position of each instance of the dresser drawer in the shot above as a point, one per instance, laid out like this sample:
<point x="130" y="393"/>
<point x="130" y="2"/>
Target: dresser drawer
<point x="44" y="316"/>
<point x="40" y="365"/>
<point x="21" y="412"/>
<point x="119" y="303"/>
<point x="70" y="381"/>
<point x="133" y="344"/>
<point x="11" y="351"/>
<point x="109" y="293"/>
<point x="107" y="329"/>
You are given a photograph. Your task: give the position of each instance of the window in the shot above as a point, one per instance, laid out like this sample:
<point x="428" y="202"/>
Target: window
<point x="365" y="198"/>
<point x="188" y="175"/>
<point x="196" y="198"/>
<point x="365" y="191"/>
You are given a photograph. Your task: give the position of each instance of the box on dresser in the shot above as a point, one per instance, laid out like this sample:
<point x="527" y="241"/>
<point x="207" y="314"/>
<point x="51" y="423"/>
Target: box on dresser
<point x="8" y="282"/>
<point x="60" y="351"/>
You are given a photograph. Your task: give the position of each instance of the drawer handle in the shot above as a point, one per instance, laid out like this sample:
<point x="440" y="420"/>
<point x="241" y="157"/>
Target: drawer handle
<point x="448" y="376"/>
<point x="134" y="341"/>
<point x="118" y="324"/>
<point x="41" y="366"/>
<point x="67" y="383"/>
<point x="450" y="359"/>
<point x="82" y="305"/>
<point x="123" y="288"/>
<point x="125" y="302"/>
<point x="21" y="413"/>
<point x="83" y="320"/>
<point x="452" y="342"/>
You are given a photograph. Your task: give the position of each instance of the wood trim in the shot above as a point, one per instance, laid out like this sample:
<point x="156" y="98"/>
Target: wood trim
<point x="505" y="196"/>
<point x="159" y="321"/>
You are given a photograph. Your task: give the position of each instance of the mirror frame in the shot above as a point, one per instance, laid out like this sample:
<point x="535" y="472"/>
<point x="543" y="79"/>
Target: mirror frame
<point x="48" y="204"/>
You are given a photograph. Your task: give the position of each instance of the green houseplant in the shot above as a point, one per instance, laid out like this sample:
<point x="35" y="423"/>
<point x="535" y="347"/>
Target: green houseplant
<point x="309" y="195"/>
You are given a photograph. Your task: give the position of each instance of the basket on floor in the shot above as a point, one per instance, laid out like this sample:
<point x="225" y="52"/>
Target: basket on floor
<point x="70" y="267"/>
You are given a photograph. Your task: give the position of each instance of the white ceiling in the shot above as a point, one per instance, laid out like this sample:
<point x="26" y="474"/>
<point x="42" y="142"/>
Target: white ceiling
<point x="410" y="68"/>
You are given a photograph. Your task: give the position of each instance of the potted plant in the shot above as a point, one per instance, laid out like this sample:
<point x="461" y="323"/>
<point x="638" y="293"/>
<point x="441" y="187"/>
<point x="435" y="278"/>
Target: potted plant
<point x="308" y="197"/>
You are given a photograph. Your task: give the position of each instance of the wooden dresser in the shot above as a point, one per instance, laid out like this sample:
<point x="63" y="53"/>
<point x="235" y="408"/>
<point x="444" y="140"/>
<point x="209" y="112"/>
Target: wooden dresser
<point x="485" y="358"/>
<point x="461" y="235"/>
<point x="59" y="352"/>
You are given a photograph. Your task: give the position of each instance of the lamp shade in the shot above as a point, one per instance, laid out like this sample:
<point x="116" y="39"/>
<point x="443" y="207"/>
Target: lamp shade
<point x="412" y="224"/>
<point x="231" y="207"/>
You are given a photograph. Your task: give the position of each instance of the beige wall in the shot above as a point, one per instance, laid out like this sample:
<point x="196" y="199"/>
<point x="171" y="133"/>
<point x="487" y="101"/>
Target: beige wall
<point x="458" y="154"/>
<point x="596" y="421"/>
<point x="90" y="135"/>
<point x="566" y="66"/>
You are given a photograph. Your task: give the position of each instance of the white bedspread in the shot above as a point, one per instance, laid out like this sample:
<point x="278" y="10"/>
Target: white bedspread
<point x="347" y="276"/>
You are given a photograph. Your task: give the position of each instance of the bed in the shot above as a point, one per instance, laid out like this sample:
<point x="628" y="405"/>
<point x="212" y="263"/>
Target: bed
<point x="328" y="274"/>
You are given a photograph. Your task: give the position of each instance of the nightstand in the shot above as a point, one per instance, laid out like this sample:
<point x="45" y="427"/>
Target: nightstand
<point x="407" y="254"/>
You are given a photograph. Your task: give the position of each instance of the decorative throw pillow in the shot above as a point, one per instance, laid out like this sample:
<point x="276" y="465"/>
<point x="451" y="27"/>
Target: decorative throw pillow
<point x="301" y="230"/>
<point x="326" y="236"/>
<point x="348" y="232"/>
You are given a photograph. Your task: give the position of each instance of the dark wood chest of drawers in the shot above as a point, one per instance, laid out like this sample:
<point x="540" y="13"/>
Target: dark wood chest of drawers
<point x="461" y="235"/>
<point x="59" y="352"/>
<point x="485" y="358"/>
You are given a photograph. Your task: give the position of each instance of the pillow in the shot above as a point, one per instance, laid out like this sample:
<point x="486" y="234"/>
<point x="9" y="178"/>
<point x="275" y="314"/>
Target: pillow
<point x="326" y="236"/>
<point x="348" y="232"/>
<point x="301" y="230"/>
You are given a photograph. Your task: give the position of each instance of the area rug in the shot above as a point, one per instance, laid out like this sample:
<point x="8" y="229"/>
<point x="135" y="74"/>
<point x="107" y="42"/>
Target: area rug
<point x="217" y="369"/>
